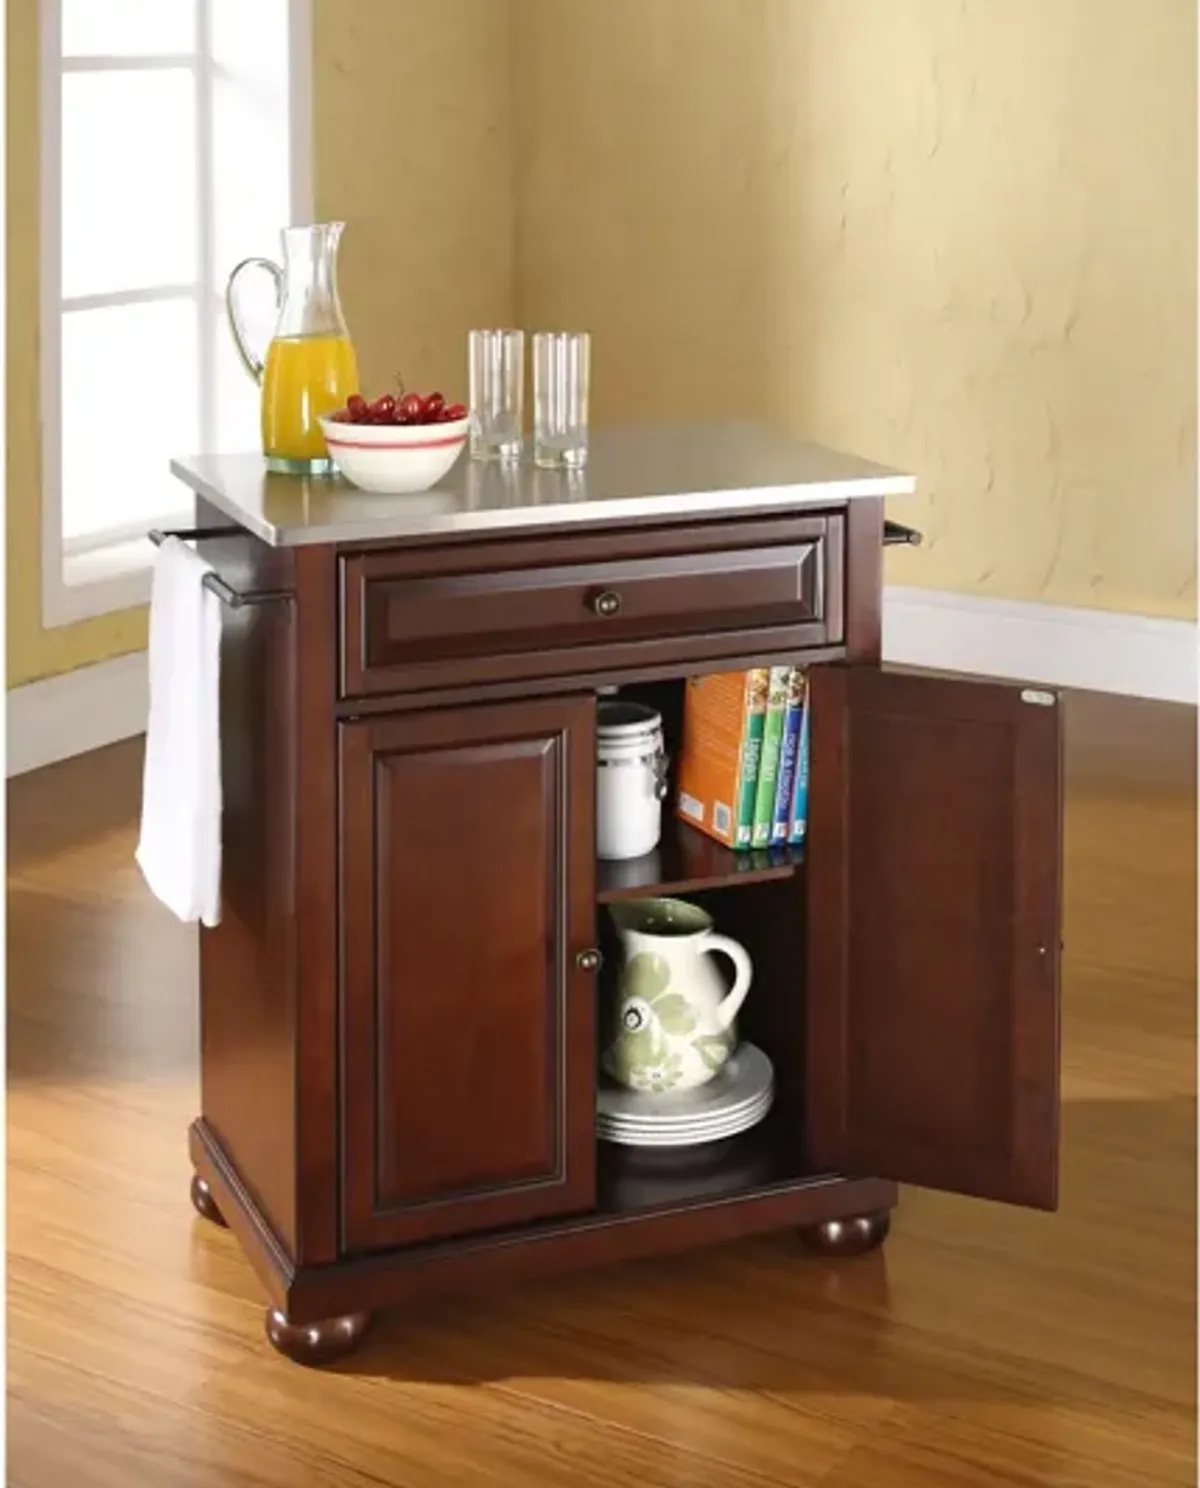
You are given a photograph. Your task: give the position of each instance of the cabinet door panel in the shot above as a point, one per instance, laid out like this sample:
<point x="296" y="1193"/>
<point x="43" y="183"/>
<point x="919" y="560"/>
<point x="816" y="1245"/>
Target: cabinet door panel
<point x="469" y="1032"/>
<point x="934" y="865"/>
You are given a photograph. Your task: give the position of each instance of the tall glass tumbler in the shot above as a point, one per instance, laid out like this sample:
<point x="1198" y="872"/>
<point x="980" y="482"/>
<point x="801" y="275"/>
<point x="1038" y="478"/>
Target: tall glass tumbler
<point x="561" y="384"/>
<point x="497" y="377"/>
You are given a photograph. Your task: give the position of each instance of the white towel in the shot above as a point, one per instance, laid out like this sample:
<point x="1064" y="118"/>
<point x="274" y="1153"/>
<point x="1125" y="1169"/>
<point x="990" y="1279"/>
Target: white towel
<point x="180" y="848"/>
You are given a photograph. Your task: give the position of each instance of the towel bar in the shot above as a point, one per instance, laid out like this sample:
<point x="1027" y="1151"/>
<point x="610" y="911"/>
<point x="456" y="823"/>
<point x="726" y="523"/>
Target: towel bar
<point x="213" y="582"/>
<point x="895" y="533"/>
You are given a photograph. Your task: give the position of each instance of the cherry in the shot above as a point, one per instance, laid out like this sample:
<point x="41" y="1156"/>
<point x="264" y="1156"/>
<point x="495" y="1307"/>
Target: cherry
<point x="455" y="411"/>
<point x="356" y="407"/>
<point x="383" y="408"/>
<point x="432" y="408"/>
<point x="412" y="406"/>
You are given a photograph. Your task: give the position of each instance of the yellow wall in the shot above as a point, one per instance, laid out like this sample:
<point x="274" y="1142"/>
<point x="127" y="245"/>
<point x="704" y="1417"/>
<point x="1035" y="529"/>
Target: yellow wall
<point x="413" y="150"/>
<point x="412" y="147"/>
<point x="955" y="235"/>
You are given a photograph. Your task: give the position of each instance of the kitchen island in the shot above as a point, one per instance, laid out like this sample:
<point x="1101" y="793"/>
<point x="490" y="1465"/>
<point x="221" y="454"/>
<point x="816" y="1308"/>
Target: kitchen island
<point x="399" y="1008"/>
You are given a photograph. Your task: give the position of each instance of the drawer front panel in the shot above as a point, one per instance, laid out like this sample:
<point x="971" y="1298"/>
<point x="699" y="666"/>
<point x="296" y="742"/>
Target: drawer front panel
<point x="416" y="621"/>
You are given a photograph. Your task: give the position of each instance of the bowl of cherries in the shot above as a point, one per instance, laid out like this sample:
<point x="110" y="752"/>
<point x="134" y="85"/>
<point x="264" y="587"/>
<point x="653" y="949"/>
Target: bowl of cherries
<point x="398" y="443"/>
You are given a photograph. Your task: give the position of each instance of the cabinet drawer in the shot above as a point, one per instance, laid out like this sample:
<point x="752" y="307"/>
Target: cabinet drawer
<point x="419" y="619"/>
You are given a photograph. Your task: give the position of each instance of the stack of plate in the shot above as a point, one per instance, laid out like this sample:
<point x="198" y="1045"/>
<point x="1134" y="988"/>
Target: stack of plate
<point x="731" y="1102"/>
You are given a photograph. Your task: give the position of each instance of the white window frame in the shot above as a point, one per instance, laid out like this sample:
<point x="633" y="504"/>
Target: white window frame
<point x="102" y="574"/>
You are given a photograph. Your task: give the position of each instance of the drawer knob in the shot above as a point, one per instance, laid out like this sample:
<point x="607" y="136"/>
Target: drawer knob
<point x="589" y="960"/>
<point x="607" y="604"/>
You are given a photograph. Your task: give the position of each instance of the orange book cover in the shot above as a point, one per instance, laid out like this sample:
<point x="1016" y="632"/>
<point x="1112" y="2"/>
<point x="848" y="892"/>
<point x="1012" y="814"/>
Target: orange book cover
<point x="718" y="762"/>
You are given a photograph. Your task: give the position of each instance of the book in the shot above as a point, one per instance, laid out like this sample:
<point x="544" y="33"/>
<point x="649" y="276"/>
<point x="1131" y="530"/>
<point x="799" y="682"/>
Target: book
<point x="723" y="718"/>
<point x="781" y="825"/>
<point x="800" y="793"/>
<point x="778" y="686"/>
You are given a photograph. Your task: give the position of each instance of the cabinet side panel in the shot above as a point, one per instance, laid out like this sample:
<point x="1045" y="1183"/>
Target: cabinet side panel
<point x="247" y="963"/>
<point x="864" y="580"/>
<point x="316" y="1088"/>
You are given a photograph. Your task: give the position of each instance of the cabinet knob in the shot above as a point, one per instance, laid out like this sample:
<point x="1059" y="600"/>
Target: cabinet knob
<point x="589" y="960"/>
<point x="606" y="605"/>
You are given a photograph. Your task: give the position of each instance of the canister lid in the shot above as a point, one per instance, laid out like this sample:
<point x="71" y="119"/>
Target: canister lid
<point x="626" y="720"/>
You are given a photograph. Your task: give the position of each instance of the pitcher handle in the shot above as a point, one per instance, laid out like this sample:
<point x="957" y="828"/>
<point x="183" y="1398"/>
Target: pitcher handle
<point x="251" y="363"/>
<point x="743" y="969"/>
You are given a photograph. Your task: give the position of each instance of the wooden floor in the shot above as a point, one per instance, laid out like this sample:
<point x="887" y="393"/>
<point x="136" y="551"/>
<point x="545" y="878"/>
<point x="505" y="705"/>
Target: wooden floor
<point x="982" y="1346"/>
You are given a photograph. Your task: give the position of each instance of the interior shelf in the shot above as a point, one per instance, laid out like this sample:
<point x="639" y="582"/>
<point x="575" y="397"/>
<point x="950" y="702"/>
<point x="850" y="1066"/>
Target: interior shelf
<point x="634" y="1179"/>
<point x="687" y="861"/>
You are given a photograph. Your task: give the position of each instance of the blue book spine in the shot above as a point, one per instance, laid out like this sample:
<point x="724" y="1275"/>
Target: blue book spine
<point x="781" y="825"/>
<point x="800" y="795"/>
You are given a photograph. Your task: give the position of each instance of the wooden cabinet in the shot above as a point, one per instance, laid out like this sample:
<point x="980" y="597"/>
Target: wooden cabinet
<point x="400" y="1024"/>
<point x="468" y="1023"/>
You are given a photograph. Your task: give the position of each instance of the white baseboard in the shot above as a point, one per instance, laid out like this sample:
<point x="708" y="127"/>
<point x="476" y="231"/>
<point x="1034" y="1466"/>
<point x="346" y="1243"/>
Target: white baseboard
<point x="63" y="716"/>
<point x="1096" y="650"/>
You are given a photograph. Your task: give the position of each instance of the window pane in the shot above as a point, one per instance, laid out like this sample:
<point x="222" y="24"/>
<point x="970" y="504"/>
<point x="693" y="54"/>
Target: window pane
<point x="128" y="27"/>
<point x="129" y="402"/>
<point x="251" y="145"/>
<point x="238" y="425"/>
<point x="251" y="39"/>
<point x="129" y="180"/>
<point x="250" y="165"/>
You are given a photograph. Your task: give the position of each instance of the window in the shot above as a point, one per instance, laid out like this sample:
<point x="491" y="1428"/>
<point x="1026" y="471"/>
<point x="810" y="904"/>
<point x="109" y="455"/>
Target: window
<point x="173" y="145"/>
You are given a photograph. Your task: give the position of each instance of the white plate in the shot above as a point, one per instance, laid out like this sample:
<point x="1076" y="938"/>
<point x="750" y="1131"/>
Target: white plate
<point x="697" y="1123"/>
<point x="672" y="1141"/>
<point x="717" y="1133"/>
<point x="607" y="1123"/>
<point x="746" y="1077"/>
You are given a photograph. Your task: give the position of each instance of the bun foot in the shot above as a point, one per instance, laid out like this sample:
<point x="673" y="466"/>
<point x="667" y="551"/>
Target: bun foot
<point x="316" y="1343"/>
<point x="203" y="1202"/>
<point x="848" y="1237"/>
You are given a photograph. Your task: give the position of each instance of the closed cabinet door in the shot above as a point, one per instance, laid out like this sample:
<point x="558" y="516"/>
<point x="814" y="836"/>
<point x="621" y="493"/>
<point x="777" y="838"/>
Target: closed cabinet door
<point x="468" y="1020"/>
<point x="934" y="882"/>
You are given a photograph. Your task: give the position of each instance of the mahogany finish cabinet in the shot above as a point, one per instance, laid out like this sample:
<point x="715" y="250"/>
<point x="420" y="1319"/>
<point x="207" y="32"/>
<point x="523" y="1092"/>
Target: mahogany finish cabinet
<point x="400" y="1007"/>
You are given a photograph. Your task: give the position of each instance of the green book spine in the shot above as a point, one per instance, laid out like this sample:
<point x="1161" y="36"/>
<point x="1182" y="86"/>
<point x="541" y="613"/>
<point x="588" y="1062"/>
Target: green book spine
<point x="752" y="734"/>
<point x="768" y="763"/>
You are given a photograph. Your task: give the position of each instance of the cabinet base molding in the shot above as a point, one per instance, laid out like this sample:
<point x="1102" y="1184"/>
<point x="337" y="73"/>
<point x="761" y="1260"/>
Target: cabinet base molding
<point x="847" y="1237"/>
<point x="324" y="1297"/>
<point x="313" y="1344"/>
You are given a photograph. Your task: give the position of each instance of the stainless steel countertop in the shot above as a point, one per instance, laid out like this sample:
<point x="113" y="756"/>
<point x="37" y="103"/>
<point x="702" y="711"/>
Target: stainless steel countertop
<point x="653" y="470"/>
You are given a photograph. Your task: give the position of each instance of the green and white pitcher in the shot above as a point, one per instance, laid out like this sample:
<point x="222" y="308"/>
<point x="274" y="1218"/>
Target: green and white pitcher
<point x="673" y="1024"/>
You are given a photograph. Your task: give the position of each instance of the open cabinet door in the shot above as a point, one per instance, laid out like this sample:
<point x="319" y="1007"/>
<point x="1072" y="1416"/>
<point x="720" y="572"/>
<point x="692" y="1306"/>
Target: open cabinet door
<point x="934" y="875"/>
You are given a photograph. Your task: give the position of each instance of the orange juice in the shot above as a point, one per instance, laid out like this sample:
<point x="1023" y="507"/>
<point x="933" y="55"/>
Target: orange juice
<point x="305" y="377"/>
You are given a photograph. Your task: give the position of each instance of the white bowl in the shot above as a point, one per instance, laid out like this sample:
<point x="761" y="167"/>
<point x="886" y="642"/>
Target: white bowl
<point x="394" y="459"/>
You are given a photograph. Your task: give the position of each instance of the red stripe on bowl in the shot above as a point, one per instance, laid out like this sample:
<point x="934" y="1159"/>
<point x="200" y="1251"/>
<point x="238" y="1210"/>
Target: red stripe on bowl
<point x="409" y="445"/>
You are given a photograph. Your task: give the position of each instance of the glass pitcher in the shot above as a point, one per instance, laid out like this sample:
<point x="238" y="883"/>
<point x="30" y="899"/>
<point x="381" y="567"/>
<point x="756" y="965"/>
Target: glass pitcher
<point x="310" y="367"/>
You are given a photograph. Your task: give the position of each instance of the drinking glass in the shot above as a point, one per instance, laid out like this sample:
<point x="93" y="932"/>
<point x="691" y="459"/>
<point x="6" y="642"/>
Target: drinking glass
<point x="561" y="378"/>
<point x="497" y="377"/>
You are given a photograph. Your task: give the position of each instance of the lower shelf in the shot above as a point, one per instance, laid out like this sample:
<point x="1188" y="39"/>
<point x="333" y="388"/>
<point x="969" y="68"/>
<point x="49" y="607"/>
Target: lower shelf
<point x="632" y="1180"/>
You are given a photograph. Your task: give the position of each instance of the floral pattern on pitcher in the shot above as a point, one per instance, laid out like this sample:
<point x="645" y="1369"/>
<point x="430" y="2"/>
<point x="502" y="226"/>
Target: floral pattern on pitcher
<point x="672" y="1014"/>
<point x="649" y="1017"/>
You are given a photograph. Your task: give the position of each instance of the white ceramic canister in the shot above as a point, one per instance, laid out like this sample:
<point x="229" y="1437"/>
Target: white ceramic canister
<point x="631" y="779"/>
